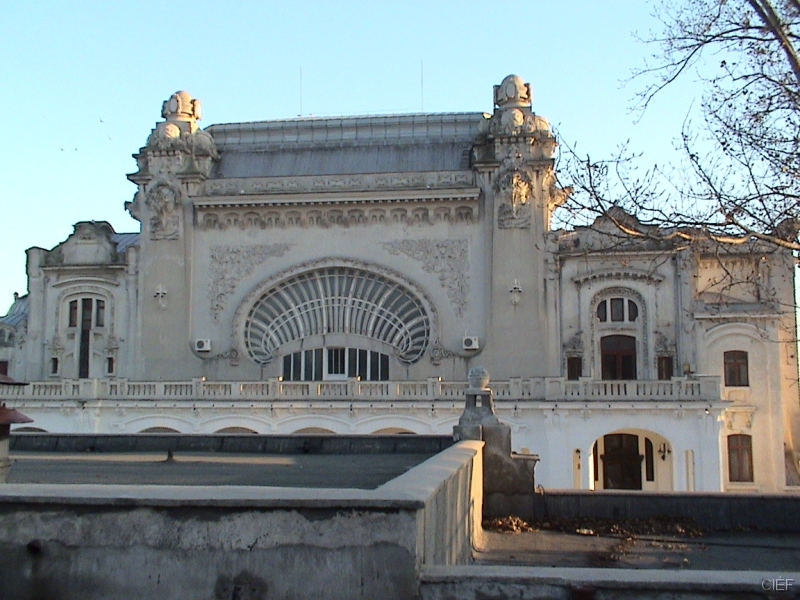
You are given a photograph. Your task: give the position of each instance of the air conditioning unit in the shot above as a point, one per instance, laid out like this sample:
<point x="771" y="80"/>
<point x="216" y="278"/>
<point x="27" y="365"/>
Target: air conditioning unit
<point x="202" y="345"/>
<point x="470" y="343"/>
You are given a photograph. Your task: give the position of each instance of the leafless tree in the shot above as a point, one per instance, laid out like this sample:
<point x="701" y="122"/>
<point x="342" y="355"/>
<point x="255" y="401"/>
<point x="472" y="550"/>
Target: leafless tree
<point x="742" y="182"/>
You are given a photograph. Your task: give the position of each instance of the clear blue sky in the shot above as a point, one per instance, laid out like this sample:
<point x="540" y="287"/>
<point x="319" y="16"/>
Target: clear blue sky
<point x="81" y="84"/>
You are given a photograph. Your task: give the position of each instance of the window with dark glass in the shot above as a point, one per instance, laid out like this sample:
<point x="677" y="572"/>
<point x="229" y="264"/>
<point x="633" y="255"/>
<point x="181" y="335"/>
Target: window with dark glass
<point x="3" y="367"/>
<point x="73" y="313"/>
<point x="574" y="367"/>
<point x="666" y="367"/>
<point x="621" y="310"/>
<point x="54" y="366"/>
<point x="649" y="462"/>
<point x="740" y="458"/>
<point x="736" y="370"/>
<point x="618" y="357"/>
<point x="308" y="365"/>
<point x="100" y="314"/>
<point x="110" y="365"/>
<point x="601" y="312"/>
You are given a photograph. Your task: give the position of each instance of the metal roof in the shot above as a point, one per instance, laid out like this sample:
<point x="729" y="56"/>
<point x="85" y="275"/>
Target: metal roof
<point x="17" y="314"/>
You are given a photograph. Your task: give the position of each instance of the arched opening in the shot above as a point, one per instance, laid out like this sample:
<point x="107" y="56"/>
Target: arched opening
<point x="314" y="430"/>
<point x="631" y="459"/>
<point x="159" y="430"/>
<point x="371" y="310"/>
<point x="235" y="430"/>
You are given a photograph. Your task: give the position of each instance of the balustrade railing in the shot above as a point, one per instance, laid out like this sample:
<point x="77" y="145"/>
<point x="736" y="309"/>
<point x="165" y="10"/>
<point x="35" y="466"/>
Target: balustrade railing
<point x="547" y="389"/>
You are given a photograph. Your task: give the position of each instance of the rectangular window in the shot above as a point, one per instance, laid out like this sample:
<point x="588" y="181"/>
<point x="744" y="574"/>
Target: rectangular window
<point x="352" y="362"/>
<point x="73" y="313"/>
<point x="736" y="369"/>
<point x="574" y="367"/>
<point x="740" y="458"/>
<point x="363" y="367"/>
<point x="54" y="366"/>
<point x="665" y="367"/>
<point x="336" y="365"/>
<point x="110" y="365"/>
<point x="3" y="367"/>
<point x="100" y="313"/>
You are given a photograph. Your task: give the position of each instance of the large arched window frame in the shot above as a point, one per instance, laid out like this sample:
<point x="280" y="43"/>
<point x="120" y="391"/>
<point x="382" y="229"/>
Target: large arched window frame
<point x="326" y="301"/>
<point x="83" y="344"/>
<point x="619" y="314"/>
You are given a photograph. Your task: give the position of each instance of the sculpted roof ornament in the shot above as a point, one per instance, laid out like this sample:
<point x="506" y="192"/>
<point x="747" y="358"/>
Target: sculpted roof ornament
<point x="513" y="92"/>
<point x="513" y="116"/>
<point x="180" y="130"/>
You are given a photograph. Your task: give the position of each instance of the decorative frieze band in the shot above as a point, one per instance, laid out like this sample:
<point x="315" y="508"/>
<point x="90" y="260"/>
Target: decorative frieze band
<point x="334" y="215"/>
<point x="334" y="183"/>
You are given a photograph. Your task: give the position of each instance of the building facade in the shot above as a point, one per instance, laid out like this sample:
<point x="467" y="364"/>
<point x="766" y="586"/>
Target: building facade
<point x="344" y="274"/>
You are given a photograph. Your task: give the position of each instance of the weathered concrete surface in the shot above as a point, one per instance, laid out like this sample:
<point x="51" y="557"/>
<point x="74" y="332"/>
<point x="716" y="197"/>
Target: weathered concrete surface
<point x="367" y="471"/>
<point x="539" y="583"/>
<point x="119" y="542"/>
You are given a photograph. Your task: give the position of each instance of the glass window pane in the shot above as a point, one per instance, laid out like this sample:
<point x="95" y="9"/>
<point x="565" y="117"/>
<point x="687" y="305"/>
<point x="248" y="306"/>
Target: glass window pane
<point x="318" y="364"/>
<point x="617" y="309"/>
<point x="601" y="312"/>
<point x="384" y="374"/>
<point x="633" y="310"/>
<point x="362" y="364"/>
<point x="100" y="313"/>
<point x="574" y="367"/>
<point x="287" y="367"/>
<point x="352" y="362"/>
<point x="73" y="313"/>
<point x="374" y="366"/>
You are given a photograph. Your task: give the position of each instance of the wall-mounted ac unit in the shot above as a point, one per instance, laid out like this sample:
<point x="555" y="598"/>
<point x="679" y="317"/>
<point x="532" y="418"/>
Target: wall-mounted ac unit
<point x="470" y="343"/>
<point x="202" y="345"/>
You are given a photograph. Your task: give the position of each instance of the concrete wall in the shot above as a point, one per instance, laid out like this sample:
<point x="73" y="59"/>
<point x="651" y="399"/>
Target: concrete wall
<point x="238" y="542"/>
<point x="719" y="512"/>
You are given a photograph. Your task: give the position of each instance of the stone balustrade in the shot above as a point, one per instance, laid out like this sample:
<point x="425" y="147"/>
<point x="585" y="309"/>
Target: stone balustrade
<point x="546" y="389"/>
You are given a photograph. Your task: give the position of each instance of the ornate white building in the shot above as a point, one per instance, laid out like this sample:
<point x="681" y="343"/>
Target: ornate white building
<point x="344" y="274"/>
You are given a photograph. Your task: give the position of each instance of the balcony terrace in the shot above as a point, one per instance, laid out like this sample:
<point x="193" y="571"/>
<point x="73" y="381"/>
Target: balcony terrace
<point x="545" y="389"/>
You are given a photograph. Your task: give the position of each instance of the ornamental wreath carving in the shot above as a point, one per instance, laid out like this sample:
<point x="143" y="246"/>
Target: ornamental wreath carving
<point x="164" y="200"/>
<point x="231" y="264"/>
<point x="446" y="258"/>
<point x="514" y="188"/>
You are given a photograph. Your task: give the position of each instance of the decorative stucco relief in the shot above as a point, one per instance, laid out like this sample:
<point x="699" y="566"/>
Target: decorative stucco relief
<point x="446" y="258"/>
<point x="164" y="200"/>
<point x="514" y="188"/>
<point x="390" y="181"/>
<point x="231" y="264"/>
<point x="335" y="216"/>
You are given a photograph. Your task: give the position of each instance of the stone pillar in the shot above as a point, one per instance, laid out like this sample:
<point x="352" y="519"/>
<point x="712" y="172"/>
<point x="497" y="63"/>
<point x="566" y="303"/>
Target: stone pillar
<point x="7" y="417"/>
<point x="508" y="479"/>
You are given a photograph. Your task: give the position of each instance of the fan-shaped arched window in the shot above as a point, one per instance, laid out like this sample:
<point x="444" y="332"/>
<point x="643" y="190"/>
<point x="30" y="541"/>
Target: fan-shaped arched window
<point x="337" y="300"/>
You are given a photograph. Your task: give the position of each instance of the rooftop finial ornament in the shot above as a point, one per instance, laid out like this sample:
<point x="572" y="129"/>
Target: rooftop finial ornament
<point x="513" y="92"/>
<point x="182" y="107"/>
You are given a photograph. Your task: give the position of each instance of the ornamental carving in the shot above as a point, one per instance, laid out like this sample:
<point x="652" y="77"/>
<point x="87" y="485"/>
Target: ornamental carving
<point x="164" y="200"/>
<point x="231" y="264"/>
<point x="366" y="182"/>
<point x="438" y="353"/>
<point x="574" y="345"/>
<point x="446" y="258"/>
<point x="514" y="188"/>
<point x="334" y="215"/>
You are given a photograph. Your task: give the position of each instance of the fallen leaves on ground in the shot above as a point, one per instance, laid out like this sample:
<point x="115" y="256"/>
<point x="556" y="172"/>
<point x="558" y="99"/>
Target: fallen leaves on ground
<point x="508" y="525"/>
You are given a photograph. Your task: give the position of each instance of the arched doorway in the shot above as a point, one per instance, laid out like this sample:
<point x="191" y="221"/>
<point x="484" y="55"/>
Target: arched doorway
<point x="631" y="459"/>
